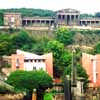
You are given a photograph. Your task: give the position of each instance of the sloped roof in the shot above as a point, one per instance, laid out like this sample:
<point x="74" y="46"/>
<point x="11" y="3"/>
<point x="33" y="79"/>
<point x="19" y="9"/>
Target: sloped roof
<point x="29" y="55"/>
<point x="69" y="10"/>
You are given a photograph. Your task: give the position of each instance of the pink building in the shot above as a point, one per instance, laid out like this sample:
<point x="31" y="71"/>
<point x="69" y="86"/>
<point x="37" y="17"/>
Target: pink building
<point x="28" y="61"/>
<point x="91" y="63"/>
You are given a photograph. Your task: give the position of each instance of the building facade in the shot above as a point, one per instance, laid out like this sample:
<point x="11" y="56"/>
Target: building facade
<point x="27" y="61"/>
<point x="91" y="63"/>
<point x="67" y="17"/>
<point x="64" y="17"/>
<point x="12" y="19"/>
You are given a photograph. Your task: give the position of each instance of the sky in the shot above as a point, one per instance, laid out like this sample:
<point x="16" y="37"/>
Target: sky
<point x="84" y="6"/>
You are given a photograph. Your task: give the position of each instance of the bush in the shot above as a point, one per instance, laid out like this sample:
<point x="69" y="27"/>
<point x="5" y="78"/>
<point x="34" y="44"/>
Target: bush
<point x="48" y="96"/>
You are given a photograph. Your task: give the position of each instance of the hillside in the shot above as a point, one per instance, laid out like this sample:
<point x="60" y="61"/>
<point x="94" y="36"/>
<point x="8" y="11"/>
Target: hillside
<point x="59" y="42"/>
<point x="30" y="12"/>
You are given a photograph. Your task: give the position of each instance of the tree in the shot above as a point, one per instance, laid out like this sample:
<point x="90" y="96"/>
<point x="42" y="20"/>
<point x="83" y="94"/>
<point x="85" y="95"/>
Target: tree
<point x="29" y="80"/>
<point x="97" y="14"/>
<point x="80" y="73"/>
<point x="79" y="70"/>
<point x="39" y="47"/>
<point x="97" y="48"/>
<point x="64" y="35"/>
<point x="61" y="56"/>
<point x="1" y="19"/>
<point x="5" y="44"/>
<point x="30" y="12"/>
<point x="86" y="16"/>
<point x="22" y="38"/>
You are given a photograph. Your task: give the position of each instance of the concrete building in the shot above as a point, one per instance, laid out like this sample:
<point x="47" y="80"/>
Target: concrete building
<point x="90" y="22"/>
<point x="37" y="21"/>
<point x="91" y="63"/>
<point x="67" y="17"/>
<point x="28" y="61"/>
<point x="12" y="19"/>
<point x="64" y="17"/>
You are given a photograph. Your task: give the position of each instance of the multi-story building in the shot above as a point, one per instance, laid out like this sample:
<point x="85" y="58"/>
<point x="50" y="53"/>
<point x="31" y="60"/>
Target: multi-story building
<point x="64" y="17"/>
<point x="91" y="63"/>
<point x="28" y="61"/>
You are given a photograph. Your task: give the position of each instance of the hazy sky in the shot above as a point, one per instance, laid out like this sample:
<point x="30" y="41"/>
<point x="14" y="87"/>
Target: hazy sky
<point x="84" y="6"/>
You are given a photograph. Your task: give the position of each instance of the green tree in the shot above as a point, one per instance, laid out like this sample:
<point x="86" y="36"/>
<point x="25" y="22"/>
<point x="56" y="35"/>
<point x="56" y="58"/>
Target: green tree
<point x="29" y="80"/>
<point x="22" y="38"/>
<point x="97" y="14"/>
<point x="5" y="44"/>
<point x="86" y="16"/>
<point x="39" y="47"/>
<point x="81" y="73"/>
<point x="1" y="19"/>
<point x="64" y="35"/>
<point x="79" y="70"/>
<point x="61" y="56"/>
<point x="97" y="48"/>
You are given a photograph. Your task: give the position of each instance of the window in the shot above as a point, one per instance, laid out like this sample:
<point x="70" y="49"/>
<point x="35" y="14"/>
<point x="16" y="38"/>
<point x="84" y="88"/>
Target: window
<point x="96" y="76"/>
<point x="17" y="67"/>
<point x="39" y="60"/>
<point x="35" y="60"/>
<point x="43" y="60"/>
<point x="26" y="60"/>
<point x="17" y="62"/>
<point x="31" y="60"/>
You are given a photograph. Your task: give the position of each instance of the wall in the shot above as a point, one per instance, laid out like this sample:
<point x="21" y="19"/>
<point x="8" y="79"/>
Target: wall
<point x="91" y="63"/>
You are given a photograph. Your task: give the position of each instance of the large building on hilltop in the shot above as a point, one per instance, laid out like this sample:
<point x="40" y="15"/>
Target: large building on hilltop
<point x="64" y="17"/>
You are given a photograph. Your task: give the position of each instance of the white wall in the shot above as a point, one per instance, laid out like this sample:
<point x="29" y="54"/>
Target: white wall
<point x="38" y="65"/>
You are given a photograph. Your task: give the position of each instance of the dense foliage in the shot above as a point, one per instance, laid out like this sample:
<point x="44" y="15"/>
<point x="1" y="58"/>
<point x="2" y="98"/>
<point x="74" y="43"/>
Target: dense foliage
<point x="1" y="19"/>
<point x="97" y="14"/>
<point x="62" y="58"/>
<point x="48" y="96"/>
<point x="31" y="12"/>
<point x="97" y="48"/>
<point x="64" y="35"/>
<point x="29" y="80"/>
<point x="59" y="44"/>
<point x="40" y="44"/>
<point x="86" y="16"/>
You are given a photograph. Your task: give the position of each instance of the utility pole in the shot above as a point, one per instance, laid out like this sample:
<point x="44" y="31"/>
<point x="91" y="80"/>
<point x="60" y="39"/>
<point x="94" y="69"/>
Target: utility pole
<point x="73" y="75"/>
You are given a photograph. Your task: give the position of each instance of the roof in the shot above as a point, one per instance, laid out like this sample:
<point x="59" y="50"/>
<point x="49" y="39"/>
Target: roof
<point x="38" y="18"/>
<point x="28" y="55"/>
<point x="69" y="10"/>
<point x="12" y="13"/>
<point x="90" y="19"/>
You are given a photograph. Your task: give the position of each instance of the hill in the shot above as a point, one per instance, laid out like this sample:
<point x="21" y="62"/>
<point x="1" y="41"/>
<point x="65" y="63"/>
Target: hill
<point x="30" y="12"/>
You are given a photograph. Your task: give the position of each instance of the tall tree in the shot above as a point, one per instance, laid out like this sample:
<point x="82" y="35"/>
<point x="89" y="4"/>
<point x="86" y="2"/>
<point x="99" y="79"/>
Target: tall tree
<point x="64" y="35"/>
<point x="61" y="56"/>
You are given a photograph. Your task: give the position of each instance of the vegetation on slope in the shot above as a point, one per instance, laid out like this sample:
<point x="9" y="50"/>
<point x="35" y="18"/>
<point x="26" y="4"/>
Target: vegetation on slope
<point x="58" y="44"/>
